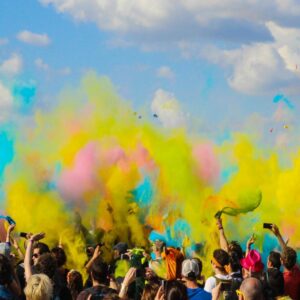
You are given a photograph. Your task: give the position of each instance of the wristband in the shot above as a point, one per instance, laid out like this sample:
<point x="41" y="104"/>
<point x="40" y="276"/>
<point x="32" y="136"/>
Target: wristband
<point x="220" y="228"/>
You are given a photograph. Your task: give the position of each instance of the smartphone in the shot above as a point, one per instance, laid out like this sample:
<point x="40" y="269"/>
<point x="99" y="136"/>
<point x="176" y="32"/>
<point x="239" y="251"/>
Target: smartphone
<point x="23" y="234"/>
<point x="164" y="285"/>
<point x="267" y="225"/>
<point x="10" y="220"/>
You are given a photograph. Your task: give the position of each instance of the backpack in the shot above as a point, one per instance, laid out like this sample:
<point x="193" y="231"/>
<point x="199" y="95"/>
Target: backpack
<point x="229" y="288"/>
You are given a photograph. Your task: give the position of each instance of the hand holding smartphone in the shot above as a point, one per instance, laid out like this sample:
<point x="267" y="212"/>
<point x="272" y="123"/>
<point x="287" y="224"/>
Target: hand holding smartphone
<point x="267" y="225"/>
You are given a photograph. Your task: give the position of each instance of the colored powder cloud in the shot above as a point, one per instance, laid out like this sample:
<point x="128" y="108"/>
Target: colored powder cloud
<point x="127" y="177"/>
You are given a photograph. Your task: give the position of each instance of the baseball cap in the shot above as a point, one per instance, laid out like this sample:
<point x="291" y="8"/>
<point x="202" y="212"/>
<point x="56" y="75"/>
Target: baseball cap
<point x="190" y="268"/>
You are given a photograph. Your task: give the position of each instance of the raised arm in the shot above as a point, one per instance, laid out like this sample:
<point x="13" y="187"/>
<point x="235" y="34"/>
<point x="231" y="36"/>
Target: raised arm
<point x="9" y="231"/>
<point x="250" y="241"/>
<point x="28" y="254"/>
<point x="277" y="233"/>
<point x="222" y="236"/>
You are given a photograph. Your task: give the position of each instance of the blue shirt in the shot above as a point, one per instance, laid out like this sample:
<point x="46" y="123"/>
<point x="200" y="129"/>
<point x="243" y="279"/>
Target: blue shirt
<point x="198" y="294"/>
<point x="5" y="294"/>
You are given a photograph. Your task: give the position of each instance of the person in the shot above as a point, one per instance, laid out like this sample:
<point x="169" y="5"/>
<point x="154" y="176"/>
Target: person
<point x="229" y="247"/>
<point x="251" y="289"/>
<point x="252" y="265"/>
<point x="172" y="290"/>
<point x="99" y="276"/>
<point x="273" y="283"/>
<point x="274" y="260"/>
<point x="75" y="283"/>
<point x="190" y="272"/>
<point x="149" y="292"/>
<point x="38" y="249"/>
<point x="44" y="264"/>
<point x="9" y="286"/>
<point x="60" y="258"/>
<point x="291" y="271"/>
<point x="220" y="265"/>
<point x="39" y="287"/>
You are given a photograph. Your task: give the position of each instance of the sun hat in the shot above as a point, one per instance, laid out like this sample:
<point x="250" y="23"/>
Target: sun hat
<point x="252" y="262"/>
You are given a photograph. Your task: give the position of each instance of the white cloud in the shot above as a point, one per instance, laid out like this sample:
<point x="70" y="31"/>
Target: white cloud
<point x="263" y="67"/>
<point x="3" y="41"/>
<point x="12" y="66"/>
<point x="165" y="72"/>
<point x="36" y="39"/>
<point x="182" y="19"/>
<point x="167" y="108"/>
<point x="6" y="102"/>
<point x="264" y="34"/>
<point x="39" y="63"/>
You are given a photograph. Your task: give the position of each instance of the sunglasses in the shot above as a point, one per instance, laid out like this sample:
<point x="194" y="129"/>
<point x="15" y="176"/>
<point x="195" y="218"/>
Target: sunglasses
<point x="35" y="255"/>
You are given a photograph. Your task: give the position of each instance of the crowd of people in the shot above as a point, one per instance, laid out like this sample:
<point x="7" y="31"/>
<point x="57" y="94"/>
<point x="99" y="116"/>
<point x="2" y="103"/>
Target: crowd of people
<point x="161" y="273"/>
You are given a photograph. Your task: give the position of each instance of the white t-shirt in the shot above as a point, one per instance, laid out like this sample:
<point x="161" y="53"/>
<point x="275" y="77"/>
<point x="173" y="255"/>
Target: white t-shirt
<point x="211" y="282"/>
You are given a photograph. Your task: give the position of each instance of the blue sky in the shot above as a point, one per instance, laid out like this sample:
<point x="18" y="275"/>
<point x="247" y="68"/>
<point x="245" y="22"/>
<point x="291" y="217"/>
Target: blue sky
<point x="221" y="63"/>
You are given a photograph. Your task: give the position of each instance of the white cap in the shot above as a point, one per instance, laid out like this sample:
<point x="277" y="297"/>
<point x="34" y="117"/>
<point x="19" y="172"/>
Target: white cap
<point x="190" y="268"/>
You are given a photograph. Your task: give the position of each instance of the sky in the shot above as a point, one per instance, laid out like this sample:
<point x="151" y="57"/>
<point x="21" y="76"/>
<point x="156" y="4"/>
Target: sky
<point x="221" y="63"/>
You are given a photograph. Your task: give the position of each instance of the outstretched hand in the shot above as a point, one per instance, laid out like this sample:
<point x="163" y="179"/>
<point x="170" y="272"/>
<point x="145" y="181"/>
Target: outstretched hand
<point x="251" y="241"/>
<point x="38" y="236"/>
<point x="10" y="228"/>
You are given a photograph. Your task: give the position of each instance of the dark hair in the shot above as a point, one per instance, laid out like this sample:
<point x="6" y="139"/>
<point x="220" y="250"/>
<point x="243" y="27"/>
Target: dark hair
<point x="275" y="282"/>
<point x="46" y="264"/>
<point x="221" y="257"/>
<point x="289" y="257"/>
<point x="234" y="262"/>
<point x="60" y="256"/>
<point x="109" y="296"/>
<point x="274" y="259"/>
<point x="5" y="270"/>
<point x="42" y="247"/>
<point x="75" y="283"/>
<point x="175" y="290"/>
<point x="235" y="247"/>
<point x="99" y="271"/>
<point x="150" y="291"/>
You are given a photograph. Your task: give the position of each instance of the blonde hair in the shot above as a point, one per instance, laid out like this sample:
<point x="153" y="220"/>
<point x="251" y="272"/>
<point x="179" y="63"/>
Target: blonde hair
<point x="39" y="287"/>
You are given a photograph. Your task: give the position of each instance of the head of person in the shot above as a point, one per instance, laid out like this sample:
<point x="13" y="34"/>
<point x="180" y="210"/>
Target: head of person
<point x="274" y="260"/>
<point x="39" y="287"/>
<point x="150" y="291"/>
<point x="220" y="261"/>
<point x="5" y="249"/>
<point x="39" y="249"/>
<point x="234" y="262"/>
<point x="46" y="264"/>
<point x="251" y="289"/>
<point x="235" y="247"/>
<point x="252" y="265"/>
<point x="175" y="290"/>
<point x="119" y="249"/>
<point x="60" y="256"/>
<point x="99" y="271"/>
<point x="289" y="258"/>
<point x="190" y="270"/>
<point x="6" y="273"/>
<point x="275" y="282"/>
<point x="200" y="266"/>
<point x="75" y="282"/>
